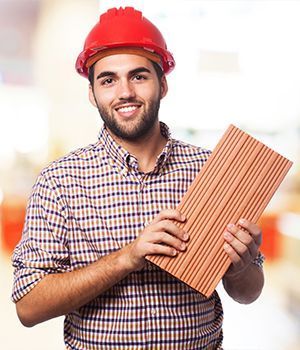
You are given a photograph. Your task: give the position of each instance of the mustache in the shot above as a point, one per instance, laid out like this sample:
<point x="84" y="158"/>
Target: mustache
<point x="129" y="100"/>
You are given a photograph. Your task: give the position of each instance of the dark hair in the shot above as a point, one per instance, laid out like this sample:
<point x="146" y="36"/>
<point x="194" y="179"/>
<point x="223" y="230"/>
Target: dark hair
<point x="91" y="74"/>
<point x="157" y="67"/>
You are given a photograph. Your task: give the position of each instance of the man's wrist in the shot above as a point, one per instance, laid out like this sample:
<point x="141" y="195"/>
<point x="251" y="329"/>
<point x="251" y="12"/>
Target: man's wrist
<point x="234" y="275"/>
<point x="124" y="260"/>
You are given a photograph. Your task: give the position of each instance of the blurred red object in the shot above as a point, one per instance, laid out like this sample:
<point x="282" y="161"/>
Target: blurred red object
<point x="12" y="214"/>
<point x="271" y="244"/>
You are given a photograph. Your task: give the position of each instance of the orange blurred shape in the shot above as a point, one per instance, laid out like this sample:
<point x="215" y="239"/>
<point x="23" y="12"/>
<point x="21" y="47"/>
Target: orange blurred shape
<point x="271" y="244"/>
<point x="12" y="214"/>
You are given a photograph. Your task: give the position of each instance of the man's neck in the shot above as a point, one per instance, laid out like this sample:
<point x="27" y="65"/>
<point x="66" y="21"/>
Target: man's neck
<point x="146" y="149"/>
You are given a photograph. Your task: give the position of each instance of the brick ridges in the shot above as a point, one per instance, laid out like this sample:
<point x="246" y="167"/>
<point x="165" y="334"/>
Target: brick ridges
<point x="238" y="180"/>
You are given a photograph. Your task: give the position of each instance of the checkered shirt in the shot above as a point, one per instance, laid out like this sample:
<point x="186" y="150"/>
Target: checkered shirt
<point x="93" y="202"/>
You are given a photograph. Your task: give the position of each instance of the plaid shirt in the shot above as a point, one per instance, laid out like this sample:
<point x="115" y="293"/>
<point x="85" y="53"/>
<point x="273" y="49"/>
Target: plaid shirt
<point x="93" y="202"/>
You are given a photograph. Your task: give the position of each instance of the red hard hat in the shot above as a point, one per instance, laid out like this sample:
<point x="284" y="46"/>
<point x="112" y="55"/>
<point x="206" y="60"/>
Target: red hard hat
<point x="119" y="28"/>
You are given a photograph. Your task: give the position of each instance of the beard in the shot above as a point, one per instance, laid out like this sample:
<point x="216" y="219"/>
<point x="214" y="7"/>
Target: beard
<point x="134" y="131"/>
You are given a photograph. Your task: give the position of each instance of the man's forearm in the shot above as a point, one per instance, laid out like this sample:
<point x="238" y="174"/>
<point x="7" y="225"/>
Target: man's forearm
<point x="61" y="293"/>
<point x="246" y="286"/>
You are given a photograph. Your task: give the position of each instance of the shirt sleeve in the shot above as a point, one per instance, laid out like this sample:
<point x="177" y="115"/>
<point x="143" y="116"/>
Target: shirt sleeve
<point x="43" y="248"/>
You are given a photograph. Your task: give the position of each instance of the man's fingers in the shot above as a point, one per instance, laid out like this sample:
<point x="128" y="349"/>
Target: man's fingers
<point x="233" y="255"/>
<point x="161" y="250"/>
<point x="169" y="214"/>
<point x="253" y="229"/>
<point x="243" y="237"/>
<point x="171" y="228"/>
<point x="161" y="237"/>
<point x="240" y="248"/>
<point x="164" y="238"/>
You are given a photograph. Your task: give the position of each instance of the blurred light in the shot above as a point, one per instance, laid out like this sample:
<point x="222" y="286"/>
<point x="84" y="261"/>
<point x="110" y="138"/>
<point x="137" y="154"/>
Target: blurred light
<point x="289" y="224"/>
<point x="24" y="120"/>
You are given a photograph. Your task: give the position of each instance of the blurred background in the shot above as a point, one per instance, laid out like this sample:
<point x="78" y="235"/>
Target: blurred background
<point x="237" y="62"/>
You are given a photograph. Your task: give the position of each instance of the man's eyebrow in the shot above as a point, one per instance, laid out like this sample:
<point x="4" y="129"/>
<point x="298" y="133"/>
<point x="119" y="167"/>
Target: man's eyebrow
<point x="105" y="74"/>
<point x="131" y="72"/>
<point x="139" y="70"/>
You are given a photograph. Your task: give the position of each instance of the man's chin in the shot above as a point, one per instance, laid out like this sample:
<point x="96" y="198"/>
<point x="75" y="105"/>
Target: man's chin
<point x="133" y="134"/>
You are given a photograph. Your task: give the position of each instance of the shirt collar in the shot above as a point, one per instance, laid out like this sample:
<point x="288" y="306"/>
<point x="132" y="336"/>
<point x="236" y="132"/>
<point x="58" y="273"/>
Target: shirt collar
<point x="124" y="160"/>
<point x="167" y="150"/>
<point x="116" y="153"/>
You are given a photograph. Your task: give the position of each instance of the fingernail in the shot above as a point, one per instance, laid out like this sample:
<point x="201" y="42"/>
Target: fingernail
<point x="183" y="218"/>
<point x="230" y="226"/>
<point x="226" y="246"/>
<point x="174" y="252"/>
<point x="242" y="221"/>
<point x="185" y="236"/>
<point x="182" y="246"/>
<point x="227" y="235"/>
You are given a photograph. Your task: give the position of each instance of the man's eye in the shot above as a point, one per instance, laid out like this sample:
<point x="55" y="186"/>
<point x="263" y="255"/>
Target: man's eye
<point x="139" y="77"/>
<point x="107" y="81"/>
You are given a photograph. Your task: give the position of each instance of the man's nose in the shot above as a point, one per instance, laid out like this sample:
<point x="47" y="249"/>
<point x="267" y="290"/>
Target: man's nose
<point x="125" y="90"/>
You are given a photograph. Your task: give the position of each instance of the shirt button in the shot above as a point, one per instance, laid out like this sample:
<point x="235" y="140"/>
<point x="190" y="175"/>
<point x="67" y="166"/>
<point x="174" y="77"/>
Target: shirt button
<point x="150" y="268"/>
<point x="153" y="312"/>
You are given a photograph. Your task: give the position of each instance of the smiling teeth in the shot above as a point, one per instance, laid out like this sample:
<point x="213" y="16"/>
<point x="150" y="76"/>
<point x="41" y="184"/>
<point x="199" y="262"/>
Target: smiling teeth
<point x="127" y="109"/>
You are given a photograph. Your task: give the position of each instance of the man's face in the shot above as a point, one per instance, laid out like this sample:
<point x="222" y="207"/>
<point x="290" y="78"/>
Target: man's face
<point x="127" y="93"/>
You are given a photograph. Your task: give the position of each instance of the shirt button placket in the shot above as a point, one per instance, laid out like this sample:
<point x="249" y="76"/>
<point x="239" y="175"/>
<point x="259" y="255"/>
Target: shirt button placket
<point x="144" y="324"/>
<point x="141" y="193"/>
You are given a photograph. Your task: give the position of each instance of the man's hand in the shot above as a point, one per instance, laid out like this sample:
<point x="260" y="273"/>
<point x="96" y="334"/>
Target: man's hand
<point x="243" y="281"/>
<point x="161" y="236"/>
<point x="242" y="245"/>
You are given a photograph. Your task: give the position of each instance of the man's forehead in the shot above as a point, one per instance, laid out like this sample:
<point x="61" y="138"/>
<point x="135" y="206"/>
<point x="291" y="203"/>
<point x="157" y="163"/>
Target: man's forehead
<point x="122" y="63"/>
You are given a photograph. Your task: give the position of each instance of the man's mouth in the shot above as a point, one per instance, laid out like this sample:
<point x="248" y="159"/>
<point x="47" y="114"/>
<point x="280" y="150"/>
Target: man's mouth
<point x="127" y="110"/>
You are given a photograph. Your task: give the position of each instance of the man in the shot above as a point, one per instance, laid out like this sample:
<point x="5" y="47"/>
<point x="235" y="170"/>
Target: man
<point x="95" y="214"/>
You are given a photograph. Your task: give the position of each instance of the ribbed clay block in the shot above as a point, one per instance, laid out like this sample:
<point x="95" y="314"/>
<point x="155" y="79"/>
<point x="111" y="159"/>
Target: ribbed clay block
<point x="238" y="180"/>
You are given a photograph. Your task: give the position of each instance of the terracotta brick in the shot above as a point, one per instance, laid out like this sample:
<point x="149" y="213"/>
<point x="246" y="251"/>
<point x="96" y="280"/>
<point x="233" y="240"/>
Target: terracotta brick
<point x="238" y="180"/>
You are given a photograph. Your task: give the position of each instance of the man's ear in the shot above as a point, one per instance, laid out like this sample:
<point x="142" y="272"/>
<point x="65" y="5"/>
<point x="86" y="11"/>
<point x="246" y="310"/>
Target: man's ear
<point x="164" y="87"/>
<point x="91" y="96"/>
